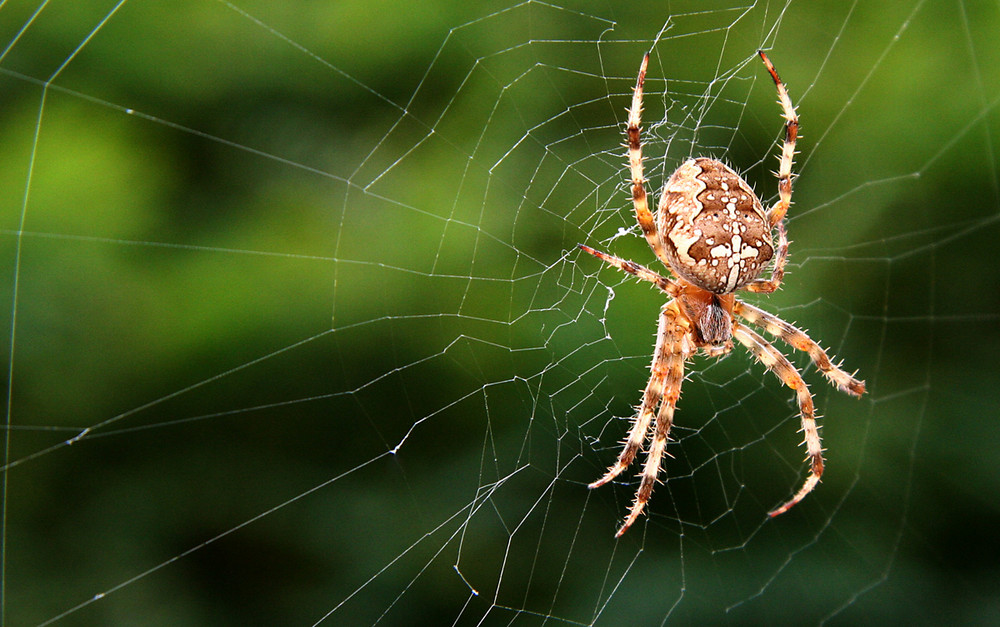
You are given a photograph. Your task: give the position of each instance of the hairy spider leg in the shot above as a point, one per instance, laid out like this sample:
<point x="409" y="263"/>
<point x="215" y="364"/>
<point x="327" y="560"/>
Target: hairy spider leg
<point x="651" y="397"/>
<point x="677" y="350"/>
<point x="766" y="286"/>
<point x="639" y="200"/>
<point x="664" y="388"/>
<point x="779" y="365"/>
<point x="631" y="267"/>
<point x="797" y="338"/>
<point x="777" y="212"/>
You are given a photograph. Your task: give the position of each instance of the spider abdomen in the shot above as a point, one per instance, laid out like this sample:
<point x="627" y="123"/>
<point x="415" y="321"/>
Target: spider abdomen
<point x="713" y="227"/>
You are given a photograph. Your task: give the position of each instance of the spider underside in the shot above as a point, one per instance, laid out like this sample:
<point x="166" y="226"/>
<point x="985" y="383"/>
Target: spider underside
<point x="714" y="234"/>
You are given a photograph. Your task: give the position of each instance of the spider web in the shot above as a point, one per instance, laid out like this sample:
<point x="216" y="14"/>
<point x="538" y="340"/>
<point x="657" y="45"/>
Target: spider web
<point x="298" y="332"/>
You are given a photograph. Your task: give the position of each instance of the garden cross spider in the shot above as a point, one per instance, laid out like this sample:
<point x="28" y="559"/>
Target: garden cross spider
<point x="711" y="230"/>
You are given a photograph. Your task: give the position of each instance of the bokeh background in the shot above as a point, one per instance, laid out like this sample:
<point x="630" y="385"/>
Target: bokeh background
<point x="296" y="332"/>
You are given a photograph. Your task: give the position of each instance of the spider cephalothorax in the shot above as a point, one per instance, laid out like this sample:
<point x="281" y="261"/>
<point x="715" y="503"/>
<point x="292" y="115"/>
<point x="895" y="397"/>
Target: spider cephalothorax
<point x="714" y="234"/>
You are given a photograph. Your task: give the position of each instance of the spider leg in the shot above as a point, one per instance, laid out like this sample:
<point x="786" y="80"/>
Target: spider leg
<point x="766" y="286"/>
<point x="641" y="272"/>
<point x="797" y="338"/>
<point x="633" y="132"/>
<point x="675" y="350"/>
<point x="777" y="213"/>
<point x="651" y="397"/>
<point x="779" y="365"/>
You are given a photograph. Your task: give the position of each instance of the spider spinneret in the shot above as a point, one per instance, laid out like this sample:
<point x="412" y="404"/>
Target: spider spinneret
<point x="715" y="236"/>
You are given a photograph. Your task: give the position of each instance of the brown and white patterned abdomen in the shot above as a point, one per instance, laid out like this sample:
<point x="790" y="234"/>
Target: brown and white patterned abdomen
<point x="715" y="233"/>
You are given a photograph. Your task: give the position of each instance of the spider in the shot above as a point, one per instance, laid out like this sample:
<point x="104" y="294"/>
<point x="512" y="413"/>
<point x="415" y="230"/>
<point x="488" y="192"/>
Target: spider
<point x="715" y="236"/>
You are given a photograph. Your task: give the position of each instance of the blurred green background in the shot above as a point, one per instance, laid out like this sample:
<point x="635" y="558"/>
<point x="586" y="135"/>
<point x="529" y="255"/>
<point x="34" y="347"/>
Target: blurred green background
<point x="307" y="273"/>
